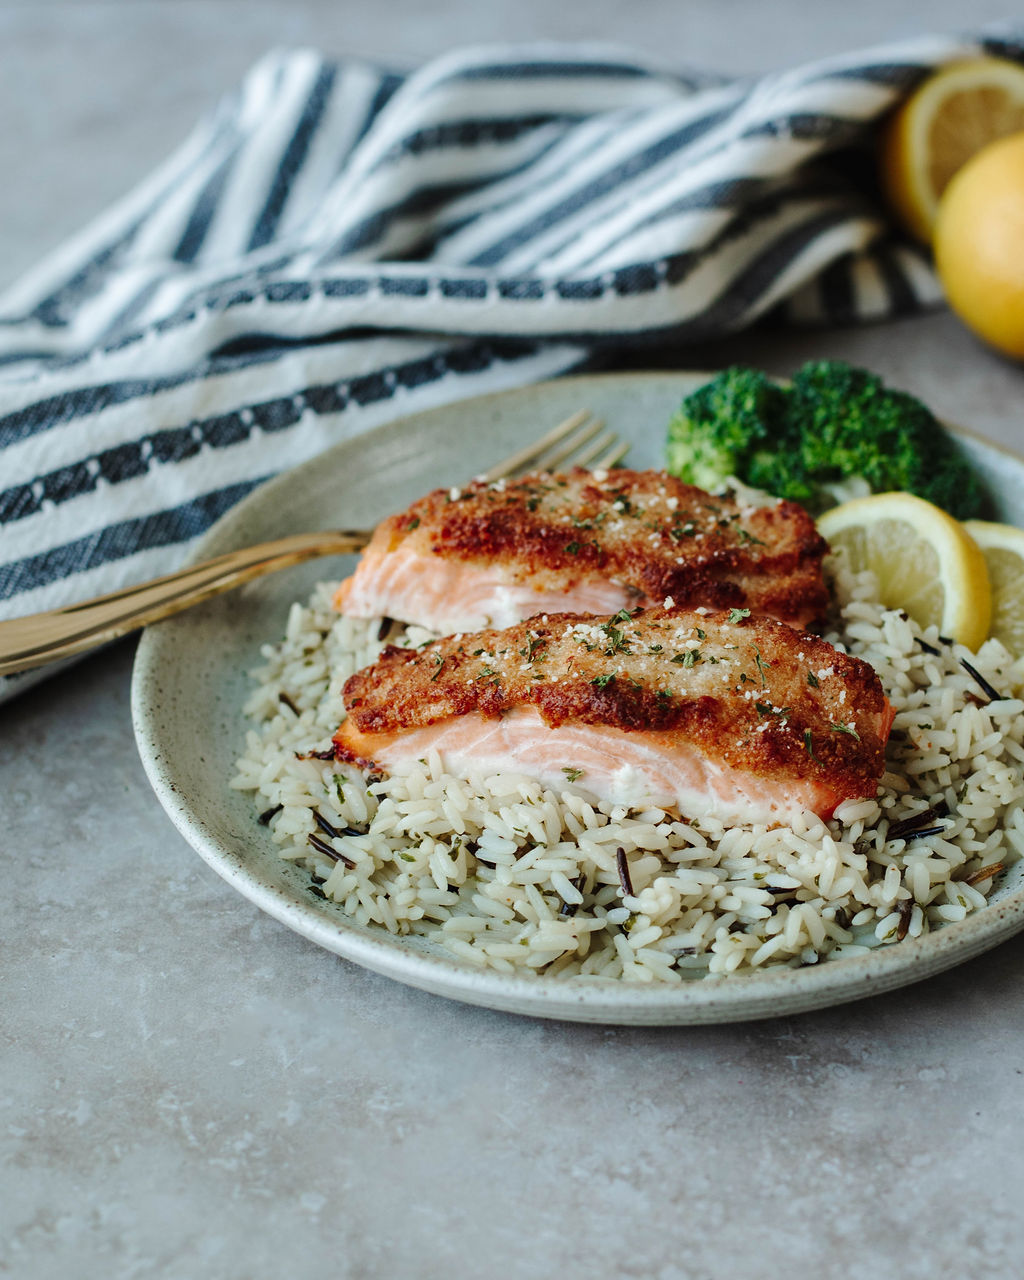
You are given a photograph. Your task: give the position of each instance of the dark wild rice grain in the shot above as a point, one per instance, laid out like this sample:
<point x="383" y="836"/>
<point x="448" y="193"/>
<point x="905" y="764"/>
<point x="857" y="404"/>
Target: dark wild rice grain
<point x="622" y="866"/>
<point x="323" y="847"/>
<point x="982" y="683"/>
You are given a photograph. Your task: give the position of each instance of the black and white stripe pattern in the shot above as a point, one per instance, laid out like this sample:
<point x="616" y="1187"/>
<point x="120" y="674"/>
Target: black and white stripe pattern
<point x="338" y="245"/>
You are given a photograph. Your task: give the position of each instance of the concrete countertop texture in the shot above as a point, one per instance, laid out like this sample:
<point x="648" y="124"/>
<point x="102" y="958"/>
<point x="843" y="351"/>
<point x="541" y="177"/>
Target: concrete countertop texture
<point x="189" y="1090"/>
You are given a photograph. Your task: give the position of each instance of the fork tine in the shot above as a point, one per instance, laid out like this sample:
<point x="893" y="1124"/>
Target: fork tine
<point x="571" y="446"/>
<point x="595" y="448"/>
<point x="509" y="466"/>
<point x="613" y="457"/>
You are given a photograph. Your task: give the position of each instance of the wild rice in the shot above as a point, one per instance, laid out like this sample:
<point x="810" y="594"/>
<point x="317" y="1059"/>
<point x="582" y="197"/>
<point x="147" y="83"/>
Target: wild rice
<point x="506" y="874"/>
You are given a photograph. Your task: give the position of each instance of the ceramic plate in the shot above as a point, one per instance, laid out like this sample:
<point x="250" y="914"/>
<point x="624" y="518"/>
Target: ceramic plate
<point x="191" y="680"/>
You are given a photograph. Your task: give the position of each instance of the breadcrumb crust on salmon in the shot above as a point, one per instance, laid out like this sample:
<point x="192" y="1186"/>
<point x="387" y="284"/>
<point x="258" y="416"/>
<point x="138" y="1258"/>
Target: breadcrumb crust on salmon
<point x="748" y="694"/>
<point x="565" y="535"/>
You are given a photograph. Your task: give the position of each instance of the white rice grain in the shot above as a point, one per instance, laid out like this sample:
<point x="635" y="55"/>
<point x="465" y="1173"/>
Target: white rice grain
<point x="506" y="874"/>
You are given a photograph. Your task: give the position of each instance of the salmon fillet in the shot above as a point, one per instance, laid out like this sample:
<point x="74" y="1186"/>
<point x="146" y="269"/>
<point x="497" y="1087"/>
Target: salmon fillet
<point x="710" y="712"/>
<point x="585" y="542"/>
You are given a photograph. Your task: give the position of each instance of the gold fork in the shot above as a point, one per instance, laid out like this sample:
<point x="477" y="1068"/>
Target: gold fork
<point x="47" y="637"/>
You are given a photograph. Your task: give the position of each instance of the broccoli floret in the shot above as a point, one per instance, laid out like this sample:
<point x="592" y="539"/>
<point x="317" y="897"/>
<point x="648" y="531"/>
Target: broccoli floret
<point x="850" y="424"/>
<point x="833" y="423"/>
<point x="721" y="428"/>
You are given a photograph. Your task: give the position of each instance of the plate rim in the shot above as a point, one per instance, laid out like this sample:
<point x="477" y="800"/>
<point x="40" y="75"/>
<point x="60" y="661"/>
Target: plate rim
<point x="775" y="991"/>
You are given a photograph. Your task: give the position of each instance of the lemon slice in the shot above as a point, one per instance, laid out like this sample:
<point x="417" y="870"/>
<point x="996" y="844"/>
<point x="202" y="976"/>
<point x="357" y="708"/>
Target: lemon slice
<point x="940" y="127"/>
<point x="923" y="559"/>
<point x="1003" y="548"/>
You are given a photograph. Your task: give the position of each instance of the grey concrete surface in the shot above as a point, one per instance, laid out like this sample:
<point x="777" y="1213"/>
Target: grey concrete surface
<point x="188" y="1090"/>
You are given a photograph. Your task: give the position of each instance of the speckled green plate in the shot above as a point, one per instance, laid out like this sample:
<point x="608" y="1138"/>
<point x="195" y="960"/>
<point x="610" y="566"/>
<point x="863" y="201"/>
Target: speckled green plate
<point x="190" y="683"/>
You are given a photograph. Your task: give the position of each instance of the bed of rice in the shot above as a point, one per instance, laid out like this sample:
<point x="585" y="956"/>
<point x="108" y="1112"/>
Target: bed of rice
<point x="507" y="874"/>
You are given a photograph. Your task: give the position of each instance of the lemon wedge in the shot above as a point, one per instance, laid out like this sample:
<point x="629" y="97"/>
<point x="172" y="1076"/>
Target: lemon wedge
<point x="949" y="118"/>
<point x="924" y="560"/>
<point x="1003" y="548"/>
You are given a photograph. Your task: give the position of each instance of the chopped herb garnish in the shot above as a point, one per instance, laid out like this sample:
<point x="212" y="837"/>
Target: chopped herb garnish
<point x="809" y="744"/>
<point x="846" y="728"/>
<point x="414" y="523"/>
<point x="616" y="637"/>
<point x="438" y="663"/>
<point x="767" y="709"/>
<point x="701" y="635"/>
<point x="571" y="773"/>
<point x="572" y="548"/>
<point x="746" y="538"/>
<point x="762" y="667"/>
<point x="602" y="681"/>
<point x="737" y="615"/>
<point x="688" y="658"/>
<point x="813" y="680"/>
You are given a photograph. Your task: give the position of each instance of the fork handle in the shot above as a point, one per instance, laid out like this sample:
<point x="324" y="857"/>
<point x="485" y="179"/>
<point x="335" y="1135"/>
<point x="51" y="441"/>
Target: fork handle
<point x="60" y="633"/>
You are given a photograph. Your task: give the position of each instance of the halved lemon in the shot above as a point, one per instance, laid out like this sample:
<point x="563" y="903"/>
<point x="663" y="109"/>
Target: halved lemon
<point x="940" y="127"/>
<point x="977" y="244"/>
<point x="1003" y="548"/>
<point x="923" y="559"/>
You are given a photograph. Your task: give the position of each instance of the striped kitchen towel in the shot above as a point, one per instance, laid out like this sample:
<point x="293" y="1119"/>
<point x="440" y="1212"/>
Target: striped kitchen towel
<point x="338" y="245"/>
